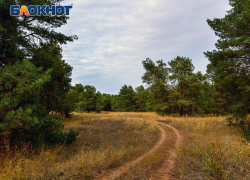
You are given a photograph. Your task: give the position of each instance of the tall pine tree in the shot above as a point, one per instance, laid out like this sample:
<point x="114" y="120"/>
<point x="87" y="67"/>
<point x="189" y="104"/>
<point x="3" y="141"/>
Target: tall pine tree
<point x="230" y="61"/>
<point x="32" y="71"/>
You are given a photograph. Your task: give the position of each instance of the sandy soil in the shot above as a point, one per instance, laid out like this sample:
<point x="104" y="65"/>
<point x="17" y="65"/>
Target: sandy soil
<point x="165" y="170"/>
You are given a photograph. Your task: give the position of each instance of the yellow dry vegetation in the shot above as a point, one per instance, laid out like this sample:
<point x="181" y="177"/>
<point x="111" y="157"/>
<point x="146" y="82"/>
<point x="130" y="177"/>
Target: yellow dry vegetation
<point x="105" y="141"/>
<point x="211" y="149"/>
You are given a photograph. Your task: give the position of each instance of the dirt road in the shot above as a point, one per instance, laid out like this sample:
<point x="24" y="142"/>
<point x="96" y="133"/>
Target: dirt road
<point x="167" y="168"/>
<point x="164" y="172"/>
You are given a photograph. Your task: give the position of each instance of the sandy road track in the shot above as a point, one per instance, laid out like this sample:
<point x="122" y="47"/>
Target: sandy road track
<point x="164" y="172"/>
<point x="167" y="168"/>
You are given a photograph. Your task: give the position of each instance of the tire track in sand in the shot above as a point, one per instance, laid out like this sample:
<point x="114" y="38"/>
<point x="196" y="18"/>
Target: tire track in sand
<point x="167" y="168"/>
<point x="164" y="172"/>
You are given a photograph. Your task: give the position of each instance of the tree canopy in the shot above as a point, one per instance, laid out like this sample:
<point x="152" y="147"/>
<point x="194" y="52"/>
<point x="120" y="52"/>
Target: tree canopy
<point x="230" y="61"/>
<point x="34" y="79"/>
<point x="22" y="35"/>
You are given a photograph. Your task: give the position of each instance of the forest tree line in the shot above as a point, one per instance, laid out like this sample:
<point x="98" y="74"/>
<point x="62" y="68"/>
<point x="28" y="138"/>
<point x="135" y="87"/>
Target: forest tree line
<point x="172" y="89"/>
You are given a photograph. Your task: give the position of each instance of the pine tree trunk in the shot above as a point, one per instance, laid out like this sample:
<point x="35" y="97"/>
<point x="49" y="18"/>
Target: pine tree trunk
<point x="181" y="113"/>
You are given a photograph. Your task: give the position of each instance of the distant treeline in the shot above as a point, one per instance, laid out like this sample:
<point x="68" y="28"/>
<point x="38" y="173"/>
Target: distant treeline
<point x="172" y="89"/>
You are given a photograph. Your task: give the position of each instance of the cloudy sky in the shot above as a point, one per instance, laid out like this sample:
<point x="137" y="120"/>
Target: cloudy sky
<point x="116" y="35"/>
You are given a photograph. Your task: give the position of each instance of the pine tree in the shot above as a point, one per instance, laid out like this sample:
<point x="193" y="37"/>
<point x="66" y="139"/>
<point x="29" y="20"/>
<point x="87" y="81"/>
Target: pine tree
<point x="106" y="98"/>
<point x="181" y="70"/>
<point x="22" y="114"/>
<point x="22" y="35"/>
<point x="157" y="77"/>
<point x="32" y="71"/>
<point x="126" y="99"/>
<point x="99" y="102"/>
<point x="142" y="98"/>
<point x="53" y="94"/>
<point x="87" y="99"/>
<point x="230" y="61"/>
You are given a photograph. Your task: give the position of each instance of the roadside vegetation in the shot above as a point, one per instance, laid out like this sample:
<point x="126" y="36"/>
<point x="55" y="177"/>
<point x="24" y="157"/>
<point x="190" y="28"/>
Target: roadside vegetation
<point x="105" y="141"/>
<point x="211" y="149"/>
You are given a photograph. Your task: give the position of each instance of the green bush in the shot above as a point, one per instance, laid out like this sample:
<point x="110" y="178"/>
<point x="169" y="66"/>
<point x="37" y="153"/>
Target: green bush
<point x="21" y="113"/>
<point x="48" y="133"/>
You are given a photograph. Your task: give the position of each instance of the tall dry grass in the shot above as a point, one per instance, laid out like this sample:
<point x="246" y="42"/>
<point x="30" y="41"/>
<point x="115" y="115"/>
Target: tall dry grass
<point x="105" y="141"/>
<point x="211" y="150"/>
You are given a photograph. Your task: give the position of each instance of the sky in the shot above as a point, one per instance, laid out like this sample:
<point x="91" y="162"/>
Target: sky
<point x="115" y="36"/>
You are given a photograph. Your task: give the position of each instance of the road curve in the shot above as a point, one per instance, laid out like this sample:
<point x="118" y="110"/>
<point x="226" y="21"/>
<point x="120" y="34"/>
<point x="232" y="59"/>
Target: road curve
<point x="164" y="172"/>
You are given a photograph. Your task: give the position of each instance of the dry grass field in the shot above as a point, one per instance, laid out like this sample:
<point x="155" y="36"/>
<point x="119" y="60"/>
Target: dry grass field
<point x="105" y="141"/>
<point x="209" y="150"/>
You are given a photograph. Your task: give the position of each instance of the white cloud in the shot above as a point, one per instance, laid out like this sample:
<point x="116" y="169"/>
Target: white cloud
<point x="116" y="35"/>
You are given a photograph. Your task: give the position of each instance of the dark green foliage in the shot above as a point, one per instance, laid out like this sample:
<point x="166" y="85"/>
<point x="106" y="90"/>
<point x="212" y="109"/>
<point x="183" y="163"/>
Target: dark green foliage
<point x="87" y="99"/>
<point x="34" y="38"/>
<point x="22" y="36"/>
<point x="181" y="70"/>
<point x="99" y="102"/>
<point x="34" y="80"/>
<point x="156" y="76"/>
<point x="106" y="100"/>
<point x="206" y="98"/>
<point x="72" y="98"/>
<point x="71" y="136"/>
<point x="186" y="86"/>
<point x="20" y="86"/>
<point x="220" y="103"/>
<point x="176" y="89"/>
<point x="143" y="99"/>
<point x="53" y="93"/>
<point x="78" y="88"/>
<point x="84" y="98"/>
<point x="22" y="113"/>
<point x="126" y="99"/>
<point x="48" y="132"/>
<point x="230" y="61"/>
<point x="113" y="102"/>
<point x="70" y="101"/>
